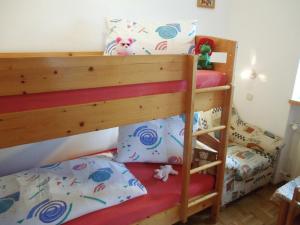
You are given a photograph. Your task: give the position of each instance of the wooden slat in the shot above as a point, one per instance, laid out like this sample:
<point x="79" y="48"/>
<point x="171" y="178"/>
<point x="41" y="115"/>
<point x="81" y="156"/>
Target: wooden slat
<point x="205" y="167"/>
<point x="188" y="133"/>
<point x="212" y="89"/>
<point x="200" y="206"/>
<point x="171" y="216"/>
<point x="209" y="141"/>
<point x="202" y="199"/>
<point x="37" y="125"/>
<point x="7" y="55"/>
<point x="48" y="74"/>
<point x="16" y="128"/>
<point x="206" y="131"/>
<point x="208" y="100"/>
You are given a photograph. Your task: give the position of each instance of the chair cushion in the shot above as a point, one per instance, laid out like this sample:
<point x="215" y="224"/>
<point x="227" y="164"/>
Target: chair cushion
<point x="246" y="162"/>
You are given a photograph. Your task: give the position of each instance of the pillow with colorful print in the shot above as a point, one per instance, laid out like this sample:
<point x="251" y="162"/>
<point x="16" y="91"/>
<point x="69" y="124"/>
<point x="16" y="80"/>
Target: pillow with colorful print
<point x="157" y="141"/>
<point x="127" y="37"/>
<point x="174" y="134"/>
<point x="57" y="193"/>
<point x="142" y="142"/>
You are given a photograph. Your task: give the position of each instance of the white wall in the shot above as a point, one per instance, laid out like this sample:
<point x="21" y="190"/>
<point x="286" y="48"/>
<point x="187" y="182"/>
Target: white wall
<point x="70" y="25"/>
<point x="78" y="25"/>
<point x="269" y="31"/>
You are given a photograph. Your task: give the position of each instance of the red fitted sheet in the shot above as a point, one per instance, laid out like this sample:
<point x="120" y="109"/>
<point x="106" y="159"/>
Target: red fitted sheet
<point x="205" y="78"/>
<point x="161" y="196"/>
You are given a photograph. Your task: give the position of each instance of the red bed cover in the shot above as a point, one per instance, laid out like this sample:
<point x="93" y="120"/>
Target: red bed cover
<point x="205" y="78"/>
<point x="161" y="196"/>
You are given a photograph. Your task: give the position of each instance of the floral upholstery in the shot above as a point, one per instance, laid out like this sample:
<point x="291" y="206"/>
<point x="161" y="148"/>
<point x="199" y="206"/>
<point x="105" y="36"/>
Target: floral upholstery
<point x="250" y="156"/>
<point x="234" y="188"/>
<point x="253" y="137"/>
<point x="247" y="162"/>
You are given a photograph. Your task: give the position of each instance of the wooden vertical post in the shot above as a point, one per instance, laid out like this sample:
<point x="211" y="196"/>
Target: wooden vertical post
<point x="188" y="134"/>
<point x="225" y="120"/>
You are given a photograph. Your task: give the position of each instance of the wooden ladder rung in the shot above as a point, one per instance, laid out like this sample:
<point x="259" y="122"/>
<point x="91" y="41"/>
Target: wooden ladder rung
<point x="201" y="199"/>
<point x="206" y="131"/>
<point x="212" y="89"/>
<point x="205" y="167"/>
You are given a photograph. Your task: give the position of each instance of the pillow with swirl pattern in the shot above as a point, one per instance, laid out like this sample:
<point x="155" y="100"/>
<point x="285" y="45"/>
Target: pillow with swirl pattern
<point x="127" y="37"/>
<point x="57" y="193"/>
<point x="156" y="141"/>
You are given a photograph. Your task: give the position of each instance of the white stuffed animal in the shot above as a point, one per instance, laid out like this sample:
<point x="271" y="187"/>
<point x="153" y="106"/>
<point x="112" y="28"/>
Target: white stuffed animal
<point x="163" y="172"/>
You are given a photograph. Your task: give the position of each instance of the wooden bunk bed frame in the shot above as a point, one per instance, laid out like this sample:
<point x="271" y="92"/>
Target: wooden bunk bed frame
<point x="28" y="73"/>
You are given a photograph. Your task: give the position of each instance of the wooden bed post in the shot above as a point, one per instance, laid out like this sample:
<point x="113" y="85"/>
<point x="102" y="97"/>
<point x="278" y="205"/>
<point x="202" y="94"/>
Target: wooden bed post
<point x="188" y="135"/>
<point x="230" y="48"/>
<point x="222" y="151"/>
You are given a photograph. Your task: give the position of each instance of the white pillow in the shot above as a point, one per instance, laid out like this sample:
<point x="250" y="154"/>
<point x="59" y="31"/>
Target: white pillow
<point x="157" y="141"/>
<point x="141" y="38"/>
<point x="175" y="137"/>
<point x="142" y="142"/>
<point x="60" y="192"/>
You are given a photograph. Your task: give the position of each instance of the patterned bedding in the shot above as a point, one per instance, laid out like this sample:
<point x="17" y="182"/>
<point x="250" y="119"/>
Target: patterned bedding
<point x="56" y="193"/>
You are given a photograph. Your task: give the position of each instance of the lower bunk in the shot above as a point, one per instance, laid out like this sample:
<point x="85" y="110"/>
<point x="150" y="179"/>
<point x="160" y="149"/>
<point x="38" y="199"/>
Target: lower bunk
<point x="96" y="190"/>
<point x="159" y="206"/>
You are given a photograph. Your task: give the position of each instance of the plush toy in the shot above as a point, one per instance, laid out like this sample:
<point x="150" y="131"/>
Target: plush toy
<point x="164" y="172"/>
<point x="124" y="46"/>
<point x="204" y="47"/>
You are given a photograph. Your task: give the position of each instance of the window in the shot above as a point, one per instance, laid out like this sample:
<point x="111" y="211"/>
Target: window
<point x="296" y="93"/>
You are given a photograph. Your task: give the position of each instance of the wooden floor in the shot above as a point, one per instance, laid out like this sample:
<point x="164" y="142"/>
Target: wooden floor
<point x="254" y="209"/>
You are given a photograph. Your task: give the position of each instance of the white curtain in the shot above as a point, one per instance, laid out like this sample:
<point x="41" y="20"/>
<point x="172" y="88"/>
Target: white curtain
<point x="294" y="155"/>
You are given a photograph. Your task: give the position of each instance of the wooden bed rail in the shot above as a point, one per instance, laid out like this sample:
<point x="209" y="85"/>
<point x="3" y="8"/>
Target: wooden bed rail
<point x="48" y="74"/>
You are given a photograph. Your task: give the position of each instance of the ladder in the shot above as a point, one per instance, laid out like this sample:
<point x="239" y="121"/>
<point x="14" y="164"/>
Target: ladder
<point x="190" y="206"/>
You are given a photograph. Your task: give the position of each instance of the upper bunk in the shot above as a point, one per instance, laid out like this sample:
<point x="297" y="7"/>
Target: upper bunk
<point x="51" y="95"/>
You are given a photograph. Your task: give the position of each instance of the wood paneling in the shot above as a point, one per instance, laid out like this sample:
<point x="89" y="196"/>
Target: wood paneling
<point x="37" y="125"/>
<point x="47" y="54"/>
<point x="209" y="100"/>
<point x="47" y="74"/>
<point x="43" y="124"/>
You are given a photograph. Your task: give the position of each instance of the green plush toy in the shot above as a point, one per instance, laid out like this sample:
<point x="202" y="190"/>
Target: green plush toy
<point x="205" y="48"/>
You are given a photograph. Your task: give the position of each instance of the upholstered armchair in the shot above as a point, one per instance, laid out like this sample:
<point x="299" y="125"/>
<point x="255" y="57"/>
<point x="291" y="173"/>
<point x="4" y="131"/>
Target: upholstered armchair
<point x="251" y="154"/>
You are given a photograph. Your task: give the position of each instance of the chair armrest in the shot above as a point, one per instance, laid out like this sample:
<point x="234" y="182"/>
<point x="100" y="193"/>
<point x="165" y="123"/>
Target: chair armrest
<point x="254" y="137"/>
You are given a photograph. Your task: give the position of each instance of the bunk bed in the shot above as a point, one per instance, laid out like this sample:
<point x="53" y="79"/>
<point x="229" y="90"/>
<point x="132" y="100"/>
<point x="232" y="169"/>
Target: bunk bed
<point x="51" y="95"/>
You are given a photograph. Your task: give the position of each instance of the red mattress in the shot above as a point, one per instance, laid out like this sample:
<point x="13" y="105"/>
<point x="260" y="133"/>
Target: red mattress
<point x="205" y="78"/>
<point x="161" y="196"/>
